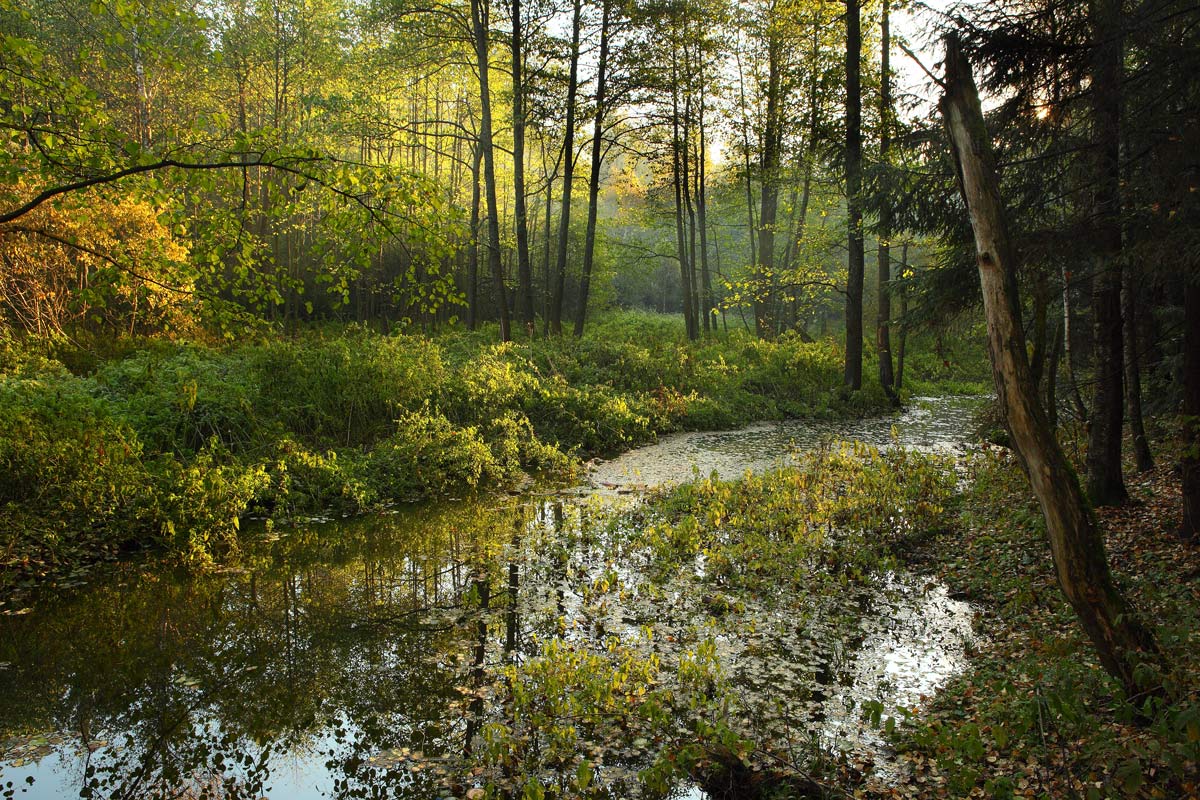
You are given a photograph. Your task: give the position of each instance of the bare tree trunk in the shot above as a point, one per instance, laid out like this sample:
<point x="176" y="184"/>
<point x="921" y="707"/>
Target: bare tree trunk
<point x="546" y="279"/>
<point x="883" y="338"/>
<point x="1052" y="377"/>
<point x="1041" y="309"/>
<point x="473" y="252"/>
<point x="689" y="293"/>
<point x="1068" y="359"/>
<point x="1133" y="373"/>
<point x="750" y="224"/>
<point x="479" y="24"/>
<point x="1106" y="487"/>
<point x="769" y="180"/>
<point x="901" y="345"/>
<point x="589" y="245"/>
<point x="680" y="240"/>
<point x="564" y="219"/>
<point x="706" y="293"/>
<point x="856" y="262"/>
<point x="1189" y="463"/>
<point x="524" y="271"/>
<point x="1076" y="544"/>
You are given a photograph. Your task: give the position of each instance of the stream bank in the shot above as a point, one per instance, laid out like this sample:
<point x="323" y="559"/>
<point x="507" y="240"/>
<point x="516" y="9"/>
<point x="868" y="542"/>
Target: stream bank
<point x="543" y="641"/>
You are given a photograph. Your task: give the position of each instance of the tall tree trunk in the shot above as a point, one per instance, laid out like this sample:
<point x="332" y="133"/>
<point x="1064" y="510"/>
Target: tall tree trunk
<point x="676" y="166"/>
<point x="1068" y="356"/>
<point x="524" y="270"/>
<point x="856" y="260"/>
<point x="1106" y="486"/>
<point x="706" y="293"/>
<point x="769" y="180"/>
<point x="479" y="24"/>
<point x="1041" y="310"/>
<point x="1052" y="377"/>
<point x="473" y="252"/>
<point x="1075" y="541"/>
<point x="883" y="338"/>
<point x="589" y="244"/>
<point x="901" y="345"/>
<point x="750" y="224"/>
<point x="546" y="238"/>
<point x="1133" y="372"/>
<point x="564" y="219"/>
<point x="690" y="295"/>
<point x="1189" y="463"/>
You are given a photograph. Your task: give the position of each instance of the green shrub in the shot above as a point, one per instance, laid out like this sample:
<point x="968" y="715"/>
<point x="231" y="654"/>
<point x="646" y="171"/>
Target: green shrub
<point x="494" y="381"/>
<point x="306" y="482"/>
<point x="179" y="400"/>
<point x="516" y="447"/>
<point x="198" y="506"/>
<point x="71" y="478"/>
<point x="427" y="455"/>
<point x="345" y="391"/>
<point x="595" y="419"/>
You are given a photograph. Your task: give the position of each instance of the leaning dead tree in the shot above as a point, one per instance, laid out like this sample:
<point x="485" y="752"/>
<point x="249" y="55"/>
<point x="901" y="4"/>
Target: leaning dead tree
<point x="1076" y="544"/>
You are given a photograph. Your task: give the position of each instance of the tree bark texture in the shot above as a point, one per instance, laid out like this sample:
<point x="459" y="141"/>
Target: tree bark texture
<point x="1076" y="543"/>
<point x="480" y="29"/>
<point x="883" y="317"/>
<point x="856" y="260"/>
<point x="1189" y="463"/>
<point x="520" y="213"/>
<point x="1105" y="484"/>
<point x="564" y="219"/>
<point x="1133" y="372"/>
<point x="589" y="244"/>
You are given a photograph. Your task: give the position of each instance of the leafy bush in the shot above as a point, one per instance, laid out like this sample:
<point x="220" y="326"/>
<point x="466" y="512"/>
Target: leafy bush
<point x="345" y="391"/>
<point x="182" y="398"/>
<point x="71" y="478"/>
<point x="174" y="442"/>
<point x="305" y="482"/>
<point x="428" y="455"/>
<point x="595" y="419"/>
<point x="197" y="506"/>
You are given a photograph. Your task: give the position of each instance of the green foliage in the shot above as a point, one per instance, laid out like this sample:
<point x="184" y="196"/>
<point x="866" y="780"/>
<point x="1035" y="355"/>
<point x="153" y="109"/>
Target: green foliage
<point x="675" y="695"/>
<point x="198" y="506"/>
<point x="304" y="482"/>
<point x="179" y="398"/>
<point x="71" y="475"/>
<point x="194" y="437"/>
<point x="345" y="390"/>
<point x="754" y="532"/>
<point x="428" y="455"/>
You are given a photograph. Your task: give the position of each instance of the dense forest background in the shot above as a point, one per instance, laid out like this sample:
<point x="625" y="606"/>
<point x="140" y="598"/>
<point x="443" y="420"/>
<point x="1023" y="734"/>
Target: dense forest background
<point x="410" y="164"/>
<point x="268" y="260"/>
<point x="190" y="169"/>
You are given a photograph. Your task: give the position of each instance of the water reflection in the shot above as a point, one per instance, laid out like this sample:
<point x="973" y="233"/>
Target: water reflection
<point x="928" y="424"/>
<point x="353" y="659"/>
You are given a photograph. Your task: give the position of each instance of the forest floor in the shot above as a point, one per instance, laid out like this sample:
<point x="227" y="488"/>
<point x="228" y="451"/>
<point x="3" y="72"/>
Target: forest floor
<point x="1035" y="716"/>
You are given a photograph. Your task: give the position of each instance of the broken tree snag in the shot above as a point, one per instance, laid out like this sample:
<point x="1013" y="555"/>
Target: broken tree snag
<point x="1076" y="544"/>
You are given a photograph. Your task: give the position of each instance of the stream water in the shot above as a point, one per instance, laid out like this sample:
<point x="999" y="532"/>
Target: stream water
<point x="331" y="662"/>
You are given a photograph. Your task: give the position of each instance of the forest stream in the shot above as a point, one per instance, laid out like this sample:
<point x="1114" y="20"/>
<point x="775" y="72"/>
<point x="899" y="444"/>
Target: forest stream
<point x="359" y="657"/>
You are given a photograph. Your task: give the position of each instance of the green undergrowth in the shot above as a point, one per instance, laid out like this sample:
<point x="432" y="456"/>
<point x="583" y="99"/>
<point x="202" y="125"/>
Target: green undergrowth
<point x="172" y="444"/>
<point x="1036" y="716"/>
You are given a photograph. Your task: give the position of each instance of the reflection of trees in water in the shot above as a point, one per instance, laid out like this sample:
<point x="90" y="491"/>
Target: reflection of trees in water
<point x="335" y="643"/>
<point x="366" y="656"/>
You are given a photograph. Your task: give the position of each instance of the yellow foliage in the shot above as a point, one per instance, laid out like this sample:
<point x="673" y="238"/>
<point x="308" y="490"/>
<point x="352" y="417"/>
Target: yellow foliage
<point x="95" y="263"/>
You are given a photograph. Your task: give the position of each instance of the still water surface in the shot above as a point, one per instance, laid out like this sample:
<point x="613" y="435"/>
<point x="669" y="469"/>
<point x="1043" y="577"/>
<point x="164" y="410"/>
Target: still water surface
<point x="331" y="661"/>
